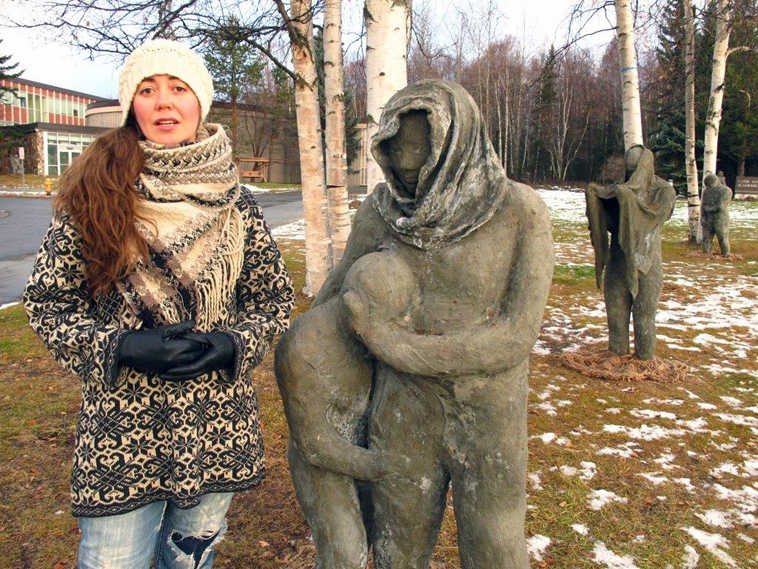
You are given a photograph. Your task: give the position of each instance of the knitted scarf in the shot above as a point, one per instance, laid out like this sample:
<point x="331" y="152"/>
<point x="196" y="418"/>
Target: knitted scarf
<point x="194" y="232"/>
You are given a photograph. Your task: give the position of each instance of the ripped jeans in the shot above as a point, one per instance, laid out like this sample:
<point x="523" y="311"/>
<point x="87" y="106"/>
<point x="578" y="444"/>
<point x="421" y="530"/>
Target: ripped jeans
<point x="181" y="539"/>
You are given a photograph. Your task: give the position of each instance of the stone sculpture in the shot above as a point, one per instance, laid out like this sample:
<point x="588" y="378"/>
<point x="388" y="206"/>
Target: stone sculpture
<point x="714" y="214"/>
<point x="448" y="404"/>
<point x="630" y="268"/>
<point x="325" y="378"/>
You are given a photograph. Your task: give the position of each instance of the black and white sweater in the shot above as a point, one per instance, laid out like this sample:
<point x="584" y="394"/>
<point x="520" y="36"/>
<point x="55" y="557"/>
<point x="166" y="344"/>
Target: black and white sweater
<point x="139" y="438"/>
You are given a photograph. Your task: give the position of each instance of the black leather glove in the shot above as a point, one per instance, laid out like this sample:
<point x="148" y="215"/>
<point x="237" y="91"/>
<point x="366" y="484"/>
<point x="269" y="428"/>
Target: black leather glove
<point x="158" y="349"/>
<point x="219" y="354"/>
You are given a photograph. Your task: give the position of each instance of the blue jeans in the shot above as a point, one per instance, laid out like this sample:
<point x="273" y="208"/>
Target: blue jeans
<point x="181" y="539"/>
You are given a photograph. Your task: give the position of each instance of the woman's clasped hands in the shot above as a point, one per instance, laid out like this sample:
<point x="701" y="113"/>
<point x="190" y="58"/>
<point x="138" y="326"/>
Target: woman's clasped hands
<point x="176" y="353"/>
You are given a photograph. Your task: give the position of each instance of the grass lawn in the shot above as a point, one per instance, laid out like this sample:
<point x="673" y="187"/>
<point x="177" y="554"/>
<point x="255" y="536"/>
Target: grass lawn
<point x="621" y="475"/>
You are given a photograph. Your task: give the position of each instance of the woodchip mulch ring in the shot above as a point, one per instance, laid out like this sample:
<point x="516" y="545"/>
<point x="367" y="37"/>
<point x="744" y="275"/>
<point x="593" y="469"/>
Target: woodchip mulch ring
<point x="602" y="364"/>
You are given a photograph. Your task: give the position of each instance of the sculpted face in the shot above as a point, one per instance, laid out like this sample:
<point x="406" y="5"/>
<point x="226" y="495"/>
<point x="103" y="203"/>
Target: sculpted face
<point x="409" y="149"/>
<point x="632" y="158"/>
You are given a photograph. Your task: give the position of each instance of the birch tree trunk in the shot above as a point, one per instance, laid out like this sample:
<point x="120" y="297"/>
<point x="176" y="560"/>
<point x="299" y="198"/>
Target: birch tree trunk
<point x="387" y="32"/>
<point x="300" y="28"/>
<point x="693" y="199"/>
<point x="630" y="83"/>
<point x="336" y="159"/>
<point x="718" y="72"/>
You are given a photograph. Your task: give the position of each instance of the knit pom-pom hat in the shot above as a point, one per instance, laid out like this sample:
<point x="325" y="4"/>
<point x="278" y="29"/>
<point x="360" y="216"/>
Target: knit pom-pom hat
<point x="164" y="57"/>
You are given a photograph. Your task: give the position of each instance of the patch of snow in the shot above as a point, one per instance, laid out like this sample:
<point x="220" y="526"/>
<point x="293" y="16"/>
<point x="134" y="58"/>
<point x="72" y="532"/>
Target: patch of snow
<point x="727" y="467"/>
<point x="731" y="401"/>
<point x="589" y="469"/>
<point x="600" y="498"/>
<point x="707" y="406"/>
<point x="568" y="470"/>
<point x="536" y="546"/>
<point x="644" y="432"/>
<point x="657" y="401"/>
<point x="613" y="410"/>
<point x="716" y="518"/>
<point x="653" y="477"/>
<point x="294" y="230"/>
<point x="713" y="543"/>
<point x="535" y="481"/>
<point x="743" y="420"/>
<point x="665" y="461"/>
<point x="581" y="529"/>
<point x="626" y="450"/>
<point x="687" y="483"/>
<point x="8" y="305"/>
<point x="548" y="408"/>
<point x="606" y="557"/>
<point x="745" y="538"/>
<point x="652" y="414"/>
<point x="690" y="557"/>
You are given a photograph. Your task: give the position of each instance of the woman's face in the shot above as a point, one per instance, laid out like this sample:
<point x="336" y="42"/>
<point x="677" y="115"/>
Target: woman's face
<point x="167" y="110"/>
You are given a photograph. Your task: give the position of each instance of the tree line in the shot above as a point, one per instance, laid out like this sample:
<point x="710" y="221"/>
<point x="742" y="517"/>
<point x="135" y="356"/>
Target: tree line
<point x="561" y="114"/>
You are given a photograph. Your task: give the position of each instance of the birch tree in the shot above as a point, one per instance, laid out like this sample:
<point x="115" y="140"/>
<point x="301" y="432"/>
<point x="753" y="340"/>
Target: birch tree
<point x="317" y="242"/>
<point x="693" y="199"/>
<point x="723" y="16"/>
<point x="336" y="162"/>
<point x="630" y="82"/>
<point x="387" y="30"/>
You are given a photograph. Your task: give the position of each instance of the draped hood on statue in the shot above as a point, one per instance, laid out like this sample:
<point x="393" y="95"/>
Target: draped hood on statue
<point x="462" y="183"/>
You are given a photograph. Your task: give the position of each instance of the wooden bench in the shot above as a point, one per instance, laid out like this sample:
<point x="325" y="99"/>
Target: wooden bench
<point x="253" y="167"/>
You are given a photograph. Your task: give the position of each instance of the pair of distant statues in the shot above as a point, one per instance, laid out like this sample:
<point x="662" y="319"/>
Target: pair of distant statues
<point x="409" y="374"/>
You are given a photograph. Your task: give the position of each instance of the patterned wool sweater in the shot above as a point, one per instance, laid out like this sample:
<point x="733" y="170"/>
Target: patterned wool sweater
<point x="139" y="438"/>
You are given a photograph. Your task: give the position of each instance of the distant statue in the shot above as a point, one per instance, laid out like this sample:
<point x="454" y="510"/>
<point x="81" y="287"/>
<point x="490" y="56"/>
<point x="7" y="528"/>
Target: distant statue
<point x="630" y="269"/>
<point x="714" y="213"/>
<point x="17" y="165"/>
<point x="448" y="353"/>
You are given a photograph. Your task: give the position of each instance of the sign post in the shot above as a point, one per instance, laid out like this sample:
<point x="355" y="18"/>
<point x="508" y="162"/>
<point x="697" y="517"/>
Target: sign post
<point x="23" y="170"/>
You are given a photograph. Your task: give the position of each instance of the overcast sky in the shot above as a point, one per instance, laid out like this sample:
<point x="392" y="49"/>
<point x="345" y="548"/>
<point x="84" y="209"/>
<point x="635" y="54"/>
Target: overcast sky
<point x="536" y="22"/>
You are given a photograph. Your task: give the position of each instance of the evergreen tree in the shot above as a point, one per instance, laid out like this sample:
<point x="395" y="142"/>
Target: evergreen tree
<point x="666" y="134"/>
<point x="7" y="71"/>
<point x="234" y="67"/>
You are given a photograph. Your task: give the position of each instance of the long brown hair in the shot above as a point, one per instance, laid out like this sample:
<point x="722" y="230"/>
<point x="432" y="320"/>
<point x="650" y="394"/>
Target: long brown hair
<point x="99" y="194"/>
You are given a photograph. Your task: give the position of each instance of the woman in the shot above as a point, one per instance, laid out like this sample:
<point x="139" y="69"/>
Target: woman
<point x="159" y="284"/>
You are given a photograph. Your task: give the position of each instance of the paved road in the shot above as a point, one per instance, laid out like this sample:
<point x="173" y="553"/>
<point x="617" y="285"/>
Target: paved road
<point x="23" y="222"/>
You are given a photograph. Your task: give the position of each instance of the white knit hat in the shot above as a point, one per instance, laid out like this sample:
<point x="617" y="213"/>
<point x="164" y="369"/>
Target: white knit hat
<point x="159" y="57"/>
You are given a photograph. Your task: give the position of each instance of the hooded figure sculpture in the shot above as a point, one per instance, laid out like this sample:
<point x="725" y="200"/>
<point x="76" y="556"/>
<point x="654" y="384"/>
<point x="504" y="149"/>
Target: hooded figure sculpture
<point x="450" y="375"/>
<point x="630" y="269"/>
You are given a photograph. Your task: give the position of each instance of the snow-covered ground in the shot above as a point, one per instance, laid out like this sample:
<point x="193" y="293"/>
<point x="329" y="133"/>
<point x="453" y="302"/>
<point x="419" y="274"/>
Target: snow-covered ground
<point x="708" y="309"/>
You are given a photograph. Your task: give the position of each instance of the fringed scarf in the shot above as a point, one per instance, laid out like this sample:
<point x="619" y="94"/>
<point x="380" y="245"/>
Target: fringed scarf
<point x="194" y="232"/>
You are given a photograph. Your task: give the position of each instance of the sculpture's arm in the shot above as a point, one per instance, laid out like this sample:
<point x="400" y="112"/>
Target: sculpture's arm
<point x="365" y="237"/>
<point x="657" y="210"/>
<point x="486" y="348"/>
<point x="726" y="198"/>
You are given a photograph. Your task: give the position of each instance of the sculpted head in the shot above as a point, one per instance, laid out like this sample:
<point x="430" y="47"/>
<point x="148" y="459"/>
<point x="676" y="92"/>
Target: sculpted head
<point x="711" y="180"/>
<point x="632" y="158"/>
<point x="384" y="281"/>
<point x="409" y="148"/>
